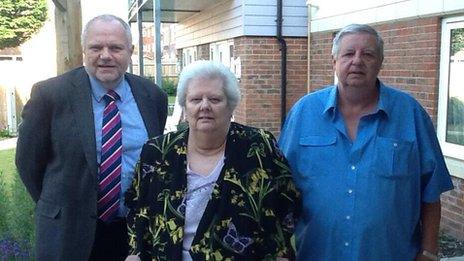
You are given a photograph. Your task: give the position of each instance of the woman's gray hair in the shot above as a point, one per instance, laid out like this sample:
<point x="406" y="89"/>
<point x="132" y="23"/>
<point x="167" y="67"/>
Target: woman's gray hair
<point x="106" y="18"/>
<point x="209" y="70"/>
<point x="356" y="29"/>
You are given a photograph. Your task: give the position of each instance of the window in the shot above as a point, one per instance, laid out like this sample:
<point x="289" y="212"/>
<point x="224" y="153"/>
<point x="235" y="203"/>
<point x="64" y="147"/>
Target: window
<point x="451" y="95"/>
<point x="189" y="55"/>
<point x="223" y="52"/>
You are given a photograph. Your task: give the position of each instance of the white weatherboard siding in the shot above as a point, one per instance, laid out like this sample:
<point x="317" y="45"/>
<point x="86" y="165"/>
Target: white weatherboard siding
<point x="260" y="18"/>
<point x="233" y="18"/>
<point x="334" y="14"/>
<point x="222" y="21"/>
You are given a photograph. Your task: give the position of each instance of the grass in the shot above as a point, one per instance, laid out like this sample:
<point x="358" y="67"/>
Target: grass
<point x="171" y="103"/>
<point x="16" y="215"/>
<point x="171" y="99"/>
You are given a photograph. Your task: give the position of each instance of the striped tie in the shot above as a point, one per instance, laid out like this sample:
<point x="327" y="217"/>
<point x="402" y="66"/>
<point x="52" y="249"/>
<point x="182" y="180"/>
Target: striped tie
<point x="109" y="179"/>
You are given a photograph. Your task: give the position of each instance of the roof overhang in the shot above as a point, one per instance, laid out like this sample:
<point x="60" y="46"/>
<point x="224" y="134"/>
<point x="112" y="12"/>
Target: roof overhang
<point x="172" y="11"/>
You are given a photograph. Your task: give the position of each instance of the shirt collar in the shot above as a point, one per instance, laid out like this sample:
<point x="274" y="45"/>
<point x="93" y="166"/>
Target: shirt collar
<point x="99" y="91"/>
<point x="331" y="104"/>
<point x="384" y="104"/>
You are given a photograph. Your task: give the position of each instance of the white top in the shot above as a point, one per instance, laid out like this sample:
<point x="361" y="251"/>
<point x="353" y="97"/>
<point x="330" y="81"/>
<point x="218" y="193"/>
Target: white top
<point x="199" y="189"/>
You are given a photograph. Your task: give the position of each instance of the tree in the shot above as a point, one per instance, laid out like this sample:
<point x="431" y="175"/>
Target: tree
<point x="19" y="20"/>
<point x="457" y="40"/>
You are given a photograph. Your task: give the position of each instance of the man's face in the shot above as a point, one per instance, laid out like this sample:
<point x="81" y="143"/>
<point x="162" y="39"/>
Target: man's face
<point x="107" y="52"/>
<point x="358" y="62"/>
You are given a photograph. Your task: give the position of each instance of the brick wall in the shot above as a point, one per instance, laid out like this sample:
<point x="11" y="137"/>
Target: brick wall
<point x="203" y="52"/>
<point x="412" y="55"/>
<point x="452" y="216"/>
<point x="321" y="71"/>
<point x="412" y="58"/>
<point x="260" y="79"/>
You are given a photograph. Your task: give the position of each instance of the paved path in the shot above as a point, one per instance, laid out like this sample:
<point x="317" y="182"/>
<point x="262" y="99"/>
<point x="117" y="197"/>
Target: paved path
<point x="8" y="143"/>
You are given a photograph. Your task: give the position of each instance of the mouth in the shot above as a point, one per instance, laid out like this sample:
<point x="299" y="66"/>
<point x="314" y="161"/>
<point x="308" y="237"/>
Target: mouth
<point x="357" y="73"/>
<point x="104" y="66"/>
<point x="205" y="118"/>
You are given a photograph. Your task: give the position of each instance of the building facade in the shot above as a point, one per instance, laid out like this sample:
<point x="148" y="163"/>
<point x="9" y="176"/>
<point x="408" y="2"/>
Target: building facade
<point x="424" y="47"/>
<point x="424" y="56"/>
<point x="243" y="35"/>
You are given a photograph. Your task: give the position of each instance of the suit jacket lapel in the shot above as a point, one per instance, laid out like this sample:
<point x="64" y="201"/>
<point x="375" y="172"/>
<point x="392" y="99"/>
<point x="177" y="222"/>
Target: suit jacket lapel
<point x="80" y="99"/>
<point x="146" y="105"/>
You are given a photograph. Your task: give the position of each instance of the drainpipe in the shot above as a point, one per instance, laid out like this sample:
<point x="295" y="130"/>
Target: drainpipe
<point x="140" y="29"/>
<point x="283" y="64"/>
<point x="311" y="7"/>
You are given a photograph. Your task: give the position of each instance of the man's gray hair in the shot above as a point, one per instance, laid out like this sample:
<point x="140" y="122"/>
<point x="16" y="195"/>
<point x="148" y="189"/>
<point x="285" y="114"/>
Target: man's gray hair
<point x="356" y="29"/>
<point x="106" y="18"/>
<point x="209" y="70"/>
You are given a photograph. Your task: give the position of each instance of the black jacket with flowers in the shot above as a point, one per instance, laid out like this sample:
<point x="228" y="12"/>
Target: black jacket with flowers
<point x="251" y="213"/>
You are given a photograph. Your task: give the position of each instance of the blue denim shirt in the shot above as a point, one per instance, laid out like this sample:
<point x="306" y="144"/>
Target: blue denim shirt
<point x="134" y="133"/>
<point x="362" y="198"/>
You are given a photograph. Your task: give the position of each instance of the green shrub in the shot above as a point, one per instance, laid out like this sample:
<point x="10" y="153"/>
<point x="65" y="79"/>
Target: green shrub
<point x="5" y="133"/>
<point x="170" y="86"/>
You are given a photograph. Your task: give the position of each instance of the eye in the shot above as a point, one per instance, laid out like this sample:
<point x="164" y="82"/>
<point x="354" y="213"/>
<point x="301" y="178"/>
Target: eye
<point x="347" y="54"/>
<point x="94" y="48"/>
<point x="195" y="100"/>
<point x="215" y="100"/>
<point x="369" y="54"/>
<point x="116" y="48"/>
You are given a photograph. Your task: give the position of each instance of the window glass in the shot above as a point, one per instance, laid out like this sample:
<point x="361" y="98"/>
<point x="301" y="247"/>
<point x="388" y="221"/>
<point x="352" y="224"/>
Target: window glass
<point x="451" y="93"/>
<point x="455" y="115"/>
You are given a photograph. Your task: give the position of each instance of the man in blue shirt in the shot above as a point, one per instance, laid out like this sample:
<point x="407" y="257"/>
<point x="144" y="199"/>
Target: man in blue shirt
<point x="367" y="161"/>
<point x="81" y="135"/>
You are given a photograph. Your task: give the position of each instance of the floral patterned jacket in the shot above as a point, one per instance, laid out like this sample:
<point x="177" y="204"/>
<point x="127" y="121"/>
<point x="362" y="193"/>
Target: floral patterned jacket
<point x="251" y="213"/>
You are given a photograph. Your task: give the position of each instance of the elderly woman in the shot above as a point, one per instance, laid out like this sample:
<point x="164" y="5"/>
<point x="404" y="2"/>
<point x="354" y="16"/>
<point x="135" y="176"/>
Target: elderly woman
<point x="217" y="190"/>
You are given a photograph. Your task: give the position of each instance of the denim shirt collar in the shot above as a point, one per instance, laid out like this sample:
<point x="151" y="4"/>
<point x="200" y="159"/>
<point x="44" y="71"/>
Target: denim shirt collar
<point x="383" y="105"/>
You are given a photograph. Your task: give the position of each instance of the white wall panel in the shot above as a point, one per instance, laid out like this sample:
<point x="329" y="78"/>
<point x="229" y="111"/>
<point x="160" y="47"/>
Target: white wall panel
<point x="233" y="18"/>
<point x="334" y="14"/>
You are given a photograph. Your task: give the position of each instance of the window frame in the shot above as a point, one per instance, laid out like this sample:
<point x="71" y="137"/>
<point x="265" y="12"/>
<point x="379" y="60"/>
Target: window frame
<point x="449" y="149"/>
<point x="189" y="55"/>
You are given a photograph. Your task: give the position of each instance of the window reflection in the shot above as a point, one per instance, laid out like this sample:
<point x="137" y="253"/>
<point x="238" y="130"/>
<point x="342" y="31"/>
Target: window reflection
<point x="455" y="115"/>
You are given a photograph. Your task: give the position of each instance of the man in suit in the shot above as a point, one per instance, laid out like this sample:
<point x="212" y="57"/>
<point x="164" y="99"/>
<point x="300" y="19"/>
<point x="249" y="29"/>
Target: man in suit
<point x="78" y="144"/>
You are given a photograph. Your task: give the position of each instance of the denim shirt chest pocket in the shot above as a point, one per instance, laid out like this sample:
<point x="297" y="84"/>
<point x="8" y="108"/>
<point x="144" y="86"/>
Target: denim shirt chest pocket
<point x="315" y="154"/>
<point x="392" y="158"/>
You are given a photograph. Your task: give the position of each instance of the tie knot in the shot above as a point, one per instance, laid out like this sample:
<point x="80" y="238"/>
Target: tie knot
<point x="111" y="96"/>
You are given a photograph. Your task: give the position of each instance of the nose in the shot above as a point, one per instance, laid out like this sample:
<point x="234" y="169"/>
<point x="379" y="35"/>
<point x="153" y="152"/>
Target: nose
<point x="205" y="104"/>
<point x="357" y="59"/>
<point x="105" y="54"/>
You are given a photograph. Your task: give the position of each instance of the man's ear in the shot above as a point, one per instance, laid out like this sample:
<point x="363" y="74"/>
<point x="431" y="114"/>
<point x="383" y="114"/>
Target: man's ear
<point x="132" y="49"/>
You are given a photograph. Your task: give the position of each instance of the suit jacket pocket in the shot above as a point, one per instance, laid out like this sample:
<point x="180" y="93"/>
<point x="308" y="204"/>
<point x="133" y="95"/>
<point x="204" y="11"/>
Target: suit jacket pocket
<point x="48" y="209"/>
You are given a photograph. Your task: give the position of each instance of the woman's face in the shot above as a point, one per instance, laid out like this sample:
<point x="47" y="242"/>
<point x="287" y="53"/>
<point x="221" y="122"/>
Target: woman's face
<point x="206" y="105"/>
